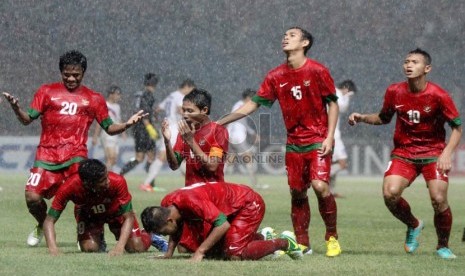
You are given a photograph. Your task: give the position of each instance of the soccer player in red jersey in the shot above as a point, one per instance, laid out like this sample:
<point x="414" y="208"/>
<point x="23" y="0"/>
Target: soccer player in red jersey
<point x="99" y="197"/>
<point x="232" y="214"/>
<point x="422" y="109"/>
<point x="201" y="142"/>
<point x="305" y="91"/>
<point x="66" y="109"/>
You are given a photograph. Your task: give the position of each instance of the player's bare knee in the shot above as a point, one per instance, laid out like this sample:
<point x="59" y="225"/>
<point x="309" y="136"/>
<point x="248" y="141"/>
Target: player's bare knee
<point x="32" y="198"/>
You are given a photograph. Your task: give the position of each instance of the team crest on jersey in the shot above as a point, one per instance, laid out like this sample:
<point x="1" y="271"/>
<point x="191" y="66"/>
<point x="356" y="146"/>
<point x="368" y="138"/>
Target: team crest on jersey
<point x="85" y="102"/>
<point x="306" y="83"/>
<point x="427" y="109"/>
<point x="202" y="142"/>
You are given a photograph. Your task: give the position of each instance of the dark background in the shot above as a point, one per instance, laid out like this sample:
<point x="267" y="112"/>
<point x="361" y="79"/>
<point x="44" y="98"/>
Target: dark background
<point x="225" y="46"/>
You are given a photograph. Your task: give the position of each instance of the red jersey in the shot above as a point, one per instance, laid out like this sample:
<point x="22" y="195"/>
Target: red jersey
<point x="65" y="120"/>
<point x="213" y="140"/>
<point x="108" y="204"/>
<point x="302" y="94"/>
<point x="210" y="202"/>
<point x="419" y="131"/>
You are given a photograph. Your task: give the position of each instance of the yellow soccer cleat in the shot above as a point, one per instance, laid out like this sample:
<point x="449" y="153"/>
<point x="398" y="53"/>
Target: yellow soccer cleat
<point x="333" y="248"/>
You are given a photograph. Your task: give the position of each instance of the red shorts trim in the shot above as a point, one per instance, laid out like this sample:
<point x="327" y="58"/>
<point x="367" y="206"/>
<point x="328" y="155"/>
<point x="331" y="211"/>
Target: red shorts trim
<point x="410" y="170"/>
<point x="304" y="167"/>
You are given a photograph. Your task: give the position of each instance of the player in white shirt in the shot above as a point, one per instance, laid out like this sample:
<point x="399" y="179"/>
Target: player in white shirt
<point x="239" y="146"/>
<point x="171" y="106"/>
<point x="344" y="91"/>
<point x="110" y="143"/>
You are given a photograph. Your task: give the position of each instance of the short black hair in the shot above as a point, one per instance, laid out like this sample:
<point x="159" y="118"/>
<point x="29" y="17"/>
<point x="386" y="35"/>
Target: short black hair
<point x="306" y="35"/>
<point x="113" y="89"/>
<point x="73" y="57"/>
<point x="422" y="52"/>
<point x="200" y="98"/>
<point x="150" y="79"/>
<point x="91" y="170"/>
<point x="153" y="218"/>
<point x="248" y="93"/>
<point x="187" y="82"/>
<point x="349" y="84"/>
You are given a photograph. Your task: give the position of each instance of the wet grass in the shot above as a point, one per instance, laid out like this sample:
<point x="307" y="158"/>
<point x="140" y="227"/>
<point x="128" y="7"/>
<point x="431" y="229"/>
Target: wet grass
<point x="371" y="239"/>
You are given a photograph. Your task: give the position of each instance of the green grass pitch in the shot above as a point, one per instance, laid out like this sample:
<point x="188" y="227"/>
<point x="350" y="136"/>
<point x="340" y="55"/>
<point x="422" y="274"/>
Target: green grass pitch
<point x="370" y="237"/>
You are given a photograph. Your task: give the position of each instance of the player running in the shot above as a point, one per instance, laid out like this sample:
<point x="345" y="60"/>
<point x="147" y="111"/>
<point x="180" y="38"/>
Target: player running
<point x="422" y="109"/>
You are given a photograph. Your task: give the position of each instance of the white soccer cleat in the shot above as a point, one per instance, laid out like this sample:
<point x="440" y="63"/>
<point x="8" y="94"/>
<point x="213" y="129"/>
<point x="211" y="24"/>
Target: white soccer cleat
<point x="268" y="233"/>
<point x="35" y="236"/>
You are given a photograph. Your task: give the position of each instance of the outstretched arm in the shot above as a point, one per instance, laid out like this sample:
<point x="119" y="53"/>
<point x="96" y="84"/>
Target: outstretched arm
<point x="22" y="115"/>
<point x="246" y="109"/>
<point x="115" y="129"/>
<point x="371" y="119"/>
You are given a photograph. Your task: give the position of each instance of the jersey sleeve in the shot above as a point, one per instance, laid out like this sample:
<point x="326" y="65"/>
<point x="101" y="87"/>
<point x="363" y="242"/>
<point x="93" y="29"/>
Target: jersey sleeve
<point x="178" y="149"/>
<point x="449" y="111"/>
<point x="266" y="94"/>
<point x="220" y="143"/>
<point x="38" y="104"/>
<point x="123" y="196"/>
<point x="61" y="198"/>
<point x="326" y="85"/>
<point x="388" y="110"/>
<point x="101" y="111"/>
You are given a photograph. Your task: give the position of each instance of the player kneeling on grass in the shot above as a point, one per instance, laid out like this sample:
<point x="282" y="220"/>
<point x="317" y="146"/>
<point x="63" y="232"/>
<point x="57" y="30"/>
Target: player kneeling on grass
<point x="99" y="197"/>
<point x="216" y="220"/>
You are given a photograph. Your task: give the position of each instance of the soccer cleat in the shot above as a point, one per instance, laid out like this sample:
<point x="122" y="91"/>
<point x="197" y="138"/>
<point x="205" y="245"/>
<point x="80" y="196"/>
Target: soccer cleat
<point x="333" y="248"/>
<point x="35" y="236"/>
<point x="158" y="189"/>
<point x="268" y="233"/>
<point x="159" y="242"/>
<point x="411" y="239"/>
<point x="146" y="188"/>
<point x="445" y="253"/>
<point x="293" y="249"/>
<point x="306" y="250"/>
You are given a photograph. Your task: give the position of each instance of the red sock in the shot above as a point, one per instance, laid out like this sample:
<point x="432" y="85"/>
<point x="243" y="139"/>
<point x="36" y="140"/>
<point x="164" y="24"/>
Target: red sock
<point x="300" y="216"/>
<point x="443" y="224"/>
<point x="258" y="249"/>
<point x="401" y="210"/>
<point x="328" y="211"/>
<point x="146" y="240"/>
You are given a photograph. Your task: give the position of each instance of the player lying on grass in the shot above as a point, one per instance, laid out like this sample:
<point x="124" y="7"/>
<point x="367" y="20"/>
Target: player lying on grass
<point x="100" y="197"/>
<point x="222" y="221"/>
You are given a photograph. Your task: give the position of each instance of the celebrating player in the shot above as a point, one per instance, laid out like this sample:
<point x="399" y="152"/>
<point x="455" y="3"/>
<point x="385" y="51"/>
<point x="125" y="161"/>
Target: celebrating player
<point x="99" y="197"/>
<point x="223" y="218"/>
<point x="200" y="141"/>
<point x="306" y="94"/>
<point x="422" y="109"/>
<point x="67" y="109"/>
